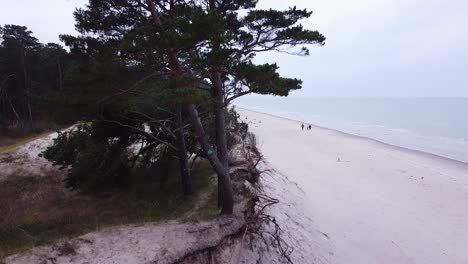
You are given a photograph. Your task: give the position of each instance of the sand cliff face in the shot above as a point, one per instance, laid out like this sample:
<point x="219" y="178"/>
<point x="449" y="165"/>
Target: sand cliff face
<point x="306" y="244"/>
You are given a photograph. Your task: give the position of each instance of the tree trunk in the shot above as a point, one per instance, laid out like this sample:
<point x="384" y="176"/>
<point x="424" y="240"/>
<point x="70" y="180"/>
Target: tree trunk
<point x="219" y="99"/>
<point x="228" y="196"/>
<point x="185" y="174"/>
<point x="60" y="74"/>
<point x="220" y="126"/>
<point x="223" y="174"/>
<point x="31" y="124"/>
<point x="27" y="84"/>
<point x="220" y="129"/>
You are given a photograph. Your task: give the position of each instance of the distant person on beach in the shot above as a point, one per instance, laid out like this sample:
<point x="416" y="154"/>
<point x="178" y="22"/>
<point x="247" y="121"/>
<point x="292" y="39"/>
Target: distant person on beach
<point x="302" y="126"/>
<point x="310" y="127"/>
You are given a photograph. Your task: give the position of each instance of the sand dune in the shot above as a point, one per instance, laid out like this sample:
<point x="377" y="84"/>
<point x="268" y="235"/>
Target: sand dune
<point x="376" y="203"/>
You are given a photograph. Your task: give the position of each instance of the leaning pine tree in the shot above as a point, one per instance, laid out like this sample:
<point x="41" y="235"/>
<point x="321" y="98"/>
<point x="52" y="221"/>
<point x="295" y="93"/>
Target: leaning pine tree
<point x="230" y="42"/>
<point x="200" y="43"/>
<point x="223" y="44"/>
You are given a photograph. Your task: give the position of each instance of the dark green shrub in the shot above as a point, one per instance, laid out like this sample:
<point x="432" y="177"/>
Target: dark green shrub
<point x="92" y="162"/>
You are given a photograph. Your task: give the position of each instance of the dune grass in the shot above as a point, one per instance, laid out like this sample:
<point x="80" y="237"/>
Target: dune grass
<point x="38" y="211"/>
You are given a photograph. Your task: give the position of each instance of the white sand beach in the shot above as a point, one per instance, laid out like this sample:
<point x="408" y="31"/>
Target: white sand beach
<point x="376" y="203"/>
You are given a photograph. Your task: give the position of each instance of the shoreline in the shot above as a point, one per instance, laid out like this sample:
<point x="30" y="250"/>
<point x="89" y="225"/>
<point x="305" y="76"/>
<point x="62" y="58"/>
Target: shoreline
<point x="371" y="201"/>
<point x="459" y="163"/>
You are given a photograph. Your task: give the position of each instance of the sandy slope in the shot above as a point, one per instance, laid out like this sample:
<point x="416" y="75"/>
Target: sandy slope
<point x="161" y="243"/>
<point x="25" y="161"/>
<point x="377" y="203"/>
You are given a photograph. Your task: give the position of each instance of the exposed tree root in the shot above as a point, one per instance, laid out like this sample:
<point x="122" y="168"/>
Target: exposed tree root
<point x="260" y="227"/>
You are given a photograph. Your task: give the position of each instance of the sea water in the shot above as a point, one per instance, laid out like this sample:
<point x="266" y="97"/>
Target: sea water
<point x="434" y="125"/>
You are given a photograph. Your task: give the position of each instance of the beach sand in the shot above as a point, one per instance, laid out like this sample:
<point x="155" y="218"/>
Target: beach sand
<point x="373" y="202"/>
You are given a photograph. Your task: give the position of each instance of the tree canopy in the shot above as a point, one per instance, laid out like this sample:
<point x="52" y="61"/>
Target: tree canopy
<point x="160" y="73"/>
<point x="28" y="69"/>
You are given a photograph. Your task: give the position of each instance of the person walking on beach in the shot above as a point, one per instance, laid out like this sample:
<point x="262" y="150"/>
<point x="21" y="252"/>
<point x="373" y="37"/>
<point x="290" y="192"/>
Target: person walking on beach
<point x="302" y="126"/>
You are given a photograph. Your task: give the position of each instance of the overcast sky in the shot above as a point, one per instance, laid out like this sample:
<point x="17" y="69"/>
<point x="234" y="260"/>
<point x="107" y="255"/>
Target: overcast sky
<point x="374" y="48"/>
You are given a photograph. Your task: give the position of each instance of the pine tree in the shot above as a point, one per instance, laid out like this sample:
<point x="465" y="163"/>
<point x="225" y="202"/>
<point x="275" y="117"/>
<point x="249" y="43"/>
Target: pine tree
<point x="195" y="44"/>
<point x="28" y="70"/>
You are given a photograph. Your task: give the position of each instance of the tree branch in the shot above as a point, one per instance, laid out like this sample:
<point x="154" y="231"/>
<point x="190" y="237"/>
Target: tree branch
<point x="139" y="131"/>
<point x="229" y="100"/>
<point x="136" y="85"/>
